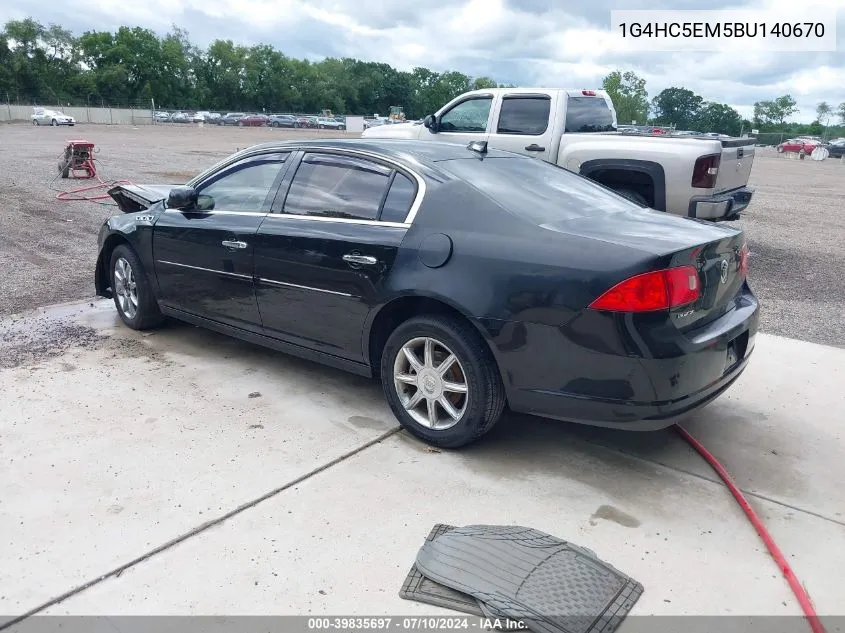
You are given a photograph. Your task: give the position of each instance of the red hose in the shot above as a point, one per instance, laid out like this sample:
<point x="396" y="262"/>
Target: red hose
<point x="64" y="194"/>
<point x="794" y="584"/>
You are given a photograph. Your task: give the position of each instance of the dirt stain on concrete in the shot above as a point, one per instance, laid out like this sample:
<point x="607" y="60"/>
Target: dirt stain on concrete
<point x="364" y="422"/>
<point x="615" y="515"/>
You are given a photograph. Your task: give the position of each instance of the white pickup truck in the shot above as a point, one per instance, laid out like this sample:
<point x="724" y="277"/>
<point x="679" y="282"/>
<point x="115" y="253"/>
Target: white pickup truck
<point x="699" y="177"/>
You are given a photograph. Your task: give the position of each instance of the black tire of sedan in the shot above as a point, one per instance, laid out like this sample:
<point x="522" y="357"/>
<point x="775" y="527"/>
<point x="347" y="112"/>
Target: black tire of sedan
<point x="133" y="294"/>
<point x="54" y="123"/>
<point x="441" y="380"/>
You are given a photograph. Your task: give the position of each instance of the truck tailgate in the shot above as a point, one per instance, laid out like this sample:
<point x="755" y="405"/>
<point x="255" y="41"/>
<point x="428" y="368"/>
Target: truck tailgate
<point x="735" y="164"/>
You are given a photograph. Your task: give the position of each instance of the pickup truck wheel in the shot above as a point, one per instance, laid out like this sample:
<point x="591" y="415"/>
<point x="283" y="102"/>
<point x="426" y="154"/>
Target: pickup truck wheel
<point x="632" y="195"/>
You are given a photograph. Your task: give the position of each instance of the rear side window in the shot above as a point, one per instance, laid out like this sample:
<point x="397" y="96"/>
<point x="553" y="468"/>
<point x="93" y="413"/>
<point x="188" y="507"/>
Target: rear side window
<point x="536" y="190"/>
<point x="588" y="114"/>
<point x="528" y="116"/>
<point x="399" y="199"/>
<point x="337" y="187"/>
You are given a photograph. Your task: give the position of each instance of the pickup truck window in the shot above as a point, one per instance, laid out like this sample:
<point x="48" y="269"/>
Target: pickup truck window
<point x="588" y="114"/>
<point x="467" y="116"/>
<point x="546" y="194"/>
<point x="528" y="116"/>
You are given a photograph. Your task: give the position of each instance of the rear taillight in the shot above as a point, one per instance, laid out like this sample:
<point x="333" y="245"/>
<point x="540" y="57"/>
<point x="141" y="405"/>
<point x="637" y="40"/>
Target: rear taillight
<point x="658" y="290"/>
<point x="705" y="171"/>
<point x="588" y="93"/>
<point x="744" y="257"/>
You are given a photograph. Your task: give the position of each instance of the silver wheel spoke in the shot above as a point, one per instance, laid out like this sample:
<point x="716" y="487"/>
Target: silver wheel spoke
<point x="428" y="353"/>
<point x="408" y="379"/>
<point x="415" y="363"/>
<point x="432" y="413"/>
<point x="414" y="400"/>
<point x="447" y="364"/>
<point x="454" y="387"/>
<point x="449" y="408"/>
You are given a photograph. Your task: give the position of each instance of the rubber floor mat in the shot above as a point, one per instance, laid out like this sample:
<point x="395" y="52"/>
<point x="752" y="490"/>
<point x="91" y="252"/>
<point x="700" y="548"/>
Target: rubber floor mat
<point x="421" y="589"/>
<point x="524" y="574"/>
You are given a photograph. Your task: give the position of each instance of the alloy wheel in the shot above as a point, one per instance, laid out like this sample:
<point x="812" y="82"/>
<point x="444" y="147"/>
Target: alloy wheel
<point x="431" y="383"/>
<point x="126" y="288"/>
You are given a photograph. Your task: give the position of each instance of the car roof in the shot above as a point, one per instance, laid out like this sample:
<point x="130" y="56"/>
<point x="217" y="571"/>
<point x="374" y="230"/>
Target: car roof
<point x="399" y="149"/>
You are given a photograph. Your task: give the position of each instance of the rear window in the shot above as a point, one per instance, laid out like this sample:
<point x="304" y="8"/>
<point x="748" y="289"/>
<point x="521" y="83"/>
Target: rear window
<point x="528" y="116"/>
<point x="536" y="190"/>
<point x="588" y="114"/>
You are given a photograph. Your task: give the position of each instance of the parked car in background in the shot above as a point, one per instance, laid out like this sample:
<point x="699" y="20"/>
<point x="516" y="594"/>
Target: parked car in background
<point x="254" y="120"/>
<point x="547" y="291"/>
<point x="797" y="144"/>
<point x="368" y="123"/>
<point x="180" y="117"/>
<point x="161" y="117"/>
<point x="200" y="116"/>
<point x="230" y="118"/>
<point x="324" y="123"/>
<point x="691" y="176"/>
<point x="42" y="116"/>
<point x="212" y="117"/>
<point x="836" y="149"/>
<point x="282" y="120"/>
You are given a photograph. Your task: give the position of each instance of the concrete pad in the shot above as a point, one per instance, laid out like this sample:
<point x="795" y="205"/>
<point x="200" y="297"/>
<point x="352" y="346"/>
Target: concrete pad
<point x="112" y="448"/>
<point x="342" y="542"/>
<point x="115" y="446"/>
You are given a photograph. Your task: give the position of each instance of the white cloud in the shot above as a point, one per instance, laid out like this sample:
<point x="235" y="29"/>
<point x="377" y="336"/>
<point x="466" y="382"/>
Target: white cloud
<point x="538" y="42"/>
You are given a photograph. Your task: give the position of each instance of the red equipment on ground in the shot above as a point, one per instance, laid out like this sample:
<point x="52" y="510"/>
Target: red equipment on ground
<point x="78" y="159"/>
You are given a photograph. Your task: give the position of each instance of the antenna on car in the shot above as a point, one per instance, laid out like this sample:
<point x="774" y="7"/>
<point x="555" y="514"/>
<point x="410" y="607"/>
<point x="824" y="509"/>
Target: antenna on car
<point x="478" y="146"/>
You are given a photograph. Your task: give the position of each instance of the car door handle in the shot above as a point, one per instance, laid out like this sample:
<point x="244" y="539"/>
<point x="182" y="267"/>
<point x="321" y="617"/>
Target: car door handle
<point x="534" y="148"/>
<point x="359" y="259"/>
<point x="233" y="244"/>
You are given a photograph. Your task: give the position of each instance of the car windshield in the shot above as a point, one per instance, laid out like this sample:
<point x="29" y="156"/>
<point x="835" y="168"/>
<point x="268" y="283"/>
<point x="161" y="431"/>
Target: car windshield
<point x="536" y="190"/>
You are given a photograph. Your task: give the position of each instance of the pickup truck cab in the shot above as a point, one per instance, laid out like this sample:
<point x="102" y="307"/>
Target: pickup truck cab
<point x="695" y="176"/>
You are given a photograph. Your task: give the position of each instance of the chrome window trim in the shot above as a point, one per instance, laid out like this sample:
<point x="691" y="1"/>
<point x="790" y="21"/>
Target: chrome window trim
<point x="244" y="154"/>
<point x="207" y="270"/>
<point x="324" y="218"/>
<point x="214" y="212"/>
<point x="289" y="285"/>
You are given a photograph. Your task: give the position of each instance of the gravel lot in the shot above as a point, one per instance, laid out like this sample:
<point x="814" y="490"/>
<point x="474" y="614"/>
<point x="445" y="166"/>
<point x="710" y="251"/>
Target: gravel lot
<point x="795" y="226"/>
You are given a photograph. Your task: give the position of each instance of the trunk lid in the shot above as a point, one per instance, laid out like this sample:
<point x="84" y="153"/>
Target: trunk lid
<point x="133" y="198"/>
<point x="721" y="276"/>
<point x="675" y="241"/>
<point x="735" y="163"/>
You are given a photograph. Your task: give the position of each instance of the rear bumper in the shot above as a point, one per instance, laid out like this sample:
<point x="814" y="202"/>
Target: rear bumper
<point x="723" y="206"/>
<point x="607" y="385"/>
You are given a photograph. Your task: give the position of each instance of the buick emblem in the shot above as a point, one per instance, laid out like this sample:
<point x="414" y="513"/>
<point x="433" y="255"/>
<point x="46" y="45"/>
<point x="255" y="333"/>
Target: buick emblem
<point x="723" y="271"/>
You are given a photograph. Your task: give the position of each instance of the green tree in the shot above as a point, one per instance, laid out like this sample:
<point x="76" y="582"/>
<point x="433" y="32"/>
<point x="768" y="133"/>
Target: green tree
<point x="628" y="94"/>
<point x="718" y="117"/>
<point x="677" y="106"/>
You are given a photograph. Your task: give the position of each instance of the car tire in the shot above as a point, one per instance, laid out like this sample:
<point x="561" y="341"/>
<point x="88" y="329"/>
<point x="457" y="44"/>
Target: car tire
<point x="132" y="291"/>
<point x="54" y="123"/>
<point x="343" y="128"/>
<point x="632" y="195"/>
<point x="35" y="121"/>
<point x="433" y="339"/>
<point x="780" y="149"/>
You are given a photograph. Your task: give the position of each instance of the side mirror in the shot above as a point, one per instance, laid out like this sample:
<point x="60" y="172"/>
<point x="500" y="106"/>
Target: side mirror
<point x="430" y="122"/>
<point x="182" y="198"/>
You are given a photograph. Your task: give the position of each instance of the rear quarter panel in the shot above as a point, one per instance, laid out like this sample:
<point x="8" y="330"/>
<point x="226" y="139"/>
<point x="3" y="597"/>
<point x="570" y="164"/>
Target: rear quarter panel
<point x="676" y="156"/>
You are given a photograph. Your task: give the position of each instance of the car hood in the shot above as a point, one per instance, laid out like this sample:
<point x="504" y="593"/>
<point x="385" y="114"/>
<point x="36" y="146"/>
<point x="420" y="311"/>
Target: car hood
<point x="646" y="230"/>
<point x="393" y="130"/>
<point x="130" y="197"/>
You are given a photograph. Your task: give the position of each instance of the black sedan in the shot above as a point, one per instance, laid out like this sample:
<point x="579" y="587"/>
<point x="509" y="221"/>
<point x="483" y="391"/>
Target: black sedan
<point x="836" y="149"/>
<point x="466" y="280"/>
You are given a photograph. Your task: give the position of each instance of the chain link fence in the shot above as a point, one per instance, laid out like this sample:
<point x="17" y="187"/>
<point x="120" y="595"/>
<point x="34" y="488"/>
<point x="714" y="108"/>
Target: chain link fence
<point x="20" y="108"/>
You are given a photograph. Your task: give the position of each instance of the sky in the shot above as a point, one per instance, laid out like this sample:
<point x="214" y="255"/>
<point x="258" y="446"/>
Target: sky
<point x="540" y="43"/>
